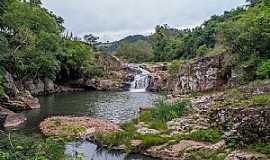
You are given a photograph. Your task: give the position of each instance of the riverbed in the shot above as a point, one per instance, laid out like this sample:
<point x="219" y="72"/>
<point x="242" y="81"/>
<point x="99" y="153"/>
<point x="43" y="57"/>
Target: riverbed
<point x="117" y="107"/>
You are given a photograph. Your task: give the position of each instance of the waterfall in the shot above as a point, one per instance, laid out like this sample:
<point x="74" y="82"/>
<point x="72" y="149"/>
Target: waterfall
<point x="141" y="79"/>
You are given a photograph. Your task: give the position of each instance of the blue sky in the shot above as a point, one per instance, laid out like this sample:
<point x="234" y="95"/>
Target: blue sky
<point x="115" y="19"/>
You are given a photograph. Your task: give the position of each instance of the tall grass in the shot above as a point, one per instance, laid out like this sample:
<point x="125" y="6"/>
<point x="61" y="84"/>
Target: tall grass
<point x="166" y="111"/>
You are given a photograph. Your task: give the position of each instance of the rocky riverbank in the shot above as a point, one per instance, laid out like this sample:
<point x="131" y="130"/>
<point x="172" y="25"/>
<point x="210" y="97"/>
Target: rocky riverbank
<point x="231" y="124"/>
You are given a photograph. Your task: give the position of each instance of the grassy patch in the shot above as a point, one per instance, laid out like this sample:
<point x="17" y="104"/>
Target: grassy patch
<point x="73" y="129"/>
<point x="165" y="111"/>
<point x="152" y="140"/>
<point x="207" y="155"/>
<point x="261" y="99"/>
<point x="260" y="147"/>
<point x="159" y="125"/>
<point x="114" y="138"/>
<point x="206" y="135"/>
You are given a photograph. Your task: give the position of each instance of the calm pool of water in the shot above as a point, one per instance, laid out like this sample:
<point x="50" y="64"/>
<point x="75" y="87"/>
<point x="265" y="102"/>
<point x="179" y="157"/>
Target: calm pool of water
<point x="117" y="107"/>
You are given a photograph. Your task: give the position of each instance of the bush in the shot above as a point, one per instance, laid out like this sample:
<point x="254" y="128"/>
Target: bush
<point x="174" y="66"/>
<point x="30" y="147"/>
<point x="263" y="70"/>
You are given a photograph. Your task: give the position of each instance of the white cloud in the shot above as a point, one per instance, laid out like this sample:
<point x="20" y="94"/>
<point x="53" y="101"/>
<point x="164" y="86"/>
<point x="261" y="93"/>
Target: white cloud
<point x="114" y="19"/>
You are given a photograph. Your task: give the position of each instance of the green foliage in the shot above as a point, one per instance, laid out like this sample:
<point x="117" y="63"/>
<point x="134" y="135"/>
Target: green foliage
<point x="174" y="66"/>
<point x="21" y="146"/>
<point x="260" y="147"/>
<point x="263" y="70"/>
<point x="137" y="52"/>
<point x="165" y="111"/>
<point x="145" y="116"/>
<point x="261" y="99"/>
<point x="74" y="129"/>
<point x="77" y="57"/>
<point x="207" y="135"/>
<point x="207" y="155"/>
<point x="21" y="14"/>
<point x="153" y="140"/>
<point x="114" y="138"/>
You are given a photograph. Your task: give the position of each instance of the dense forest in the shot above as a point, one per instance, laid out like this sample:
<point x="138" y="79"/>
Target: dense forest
<point x="33" y="43"/>
<point x="243" y="33"/>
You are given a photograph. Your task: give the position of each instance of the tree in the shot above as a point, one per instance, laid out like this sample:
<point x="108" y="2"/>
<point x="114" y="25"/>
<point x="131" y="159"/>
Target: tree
<point x="91" y="40"/>
<point x="137" y="52"/>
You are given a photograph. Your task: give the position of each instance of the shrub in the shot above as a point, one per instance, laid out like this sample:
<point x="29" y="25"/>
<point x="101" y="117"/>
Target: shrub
<point x="260" y="147"/>
<point x="174" y="66"/>
<point x="263" y="70"/>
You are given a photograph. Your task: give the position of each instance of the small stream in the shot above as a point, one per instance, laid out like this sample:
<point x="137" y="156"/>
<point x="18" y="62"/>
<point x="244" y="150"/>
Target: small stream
<point x="117" y="107"/>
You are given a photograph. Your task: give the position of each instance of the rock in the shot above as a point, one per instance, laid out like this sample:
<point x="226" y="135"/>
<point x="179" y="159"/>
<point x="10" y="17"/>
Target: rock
<point x="76" y="126"/>
<point x="36" y="87"/>
<point x="155" y="67"/>
<point x="181" y="149"/>
<point x="9" y="85"/>
<point x="245" y="155"/>
<point x="202" y="74"/>
<point x="176" y="151"/>
<point x="49" y="86"/>
<point x="14" y="120"/>
<point x="159" y="81"/>
<point x="248" y="123"/>
<point x="142" y="129"/>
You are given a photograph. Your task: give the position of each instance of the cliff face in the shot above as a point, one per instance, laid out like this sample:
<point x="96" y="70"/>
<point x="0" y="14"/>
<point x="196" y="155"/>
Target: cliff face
<point x="201" y="74"/>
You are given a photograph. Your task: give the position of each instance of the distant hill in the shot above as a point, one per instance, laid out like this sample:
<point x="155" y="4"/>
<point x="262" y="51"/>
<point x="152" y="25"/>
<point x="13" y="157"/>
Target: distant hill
<point x="112" y="47"/>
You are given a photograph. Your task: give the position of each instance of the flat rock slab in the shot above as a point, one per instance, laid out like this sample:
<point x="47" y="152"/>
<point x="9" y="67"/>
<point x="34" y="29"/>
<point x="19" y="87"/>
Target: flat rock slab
<point x="245" y="155"/>
<point x="177" y="151"/>
<point x="76" y="127"/>
<point x="14" y="120"/>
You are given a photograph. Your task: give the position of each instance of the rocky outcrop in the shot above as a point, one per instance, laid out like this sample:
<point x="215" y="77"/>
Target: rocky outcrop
<point x="249" y="123"/>
<point x="76" y="127"/>
<point x="199" y="75"/>
<point x="159" y="77"/>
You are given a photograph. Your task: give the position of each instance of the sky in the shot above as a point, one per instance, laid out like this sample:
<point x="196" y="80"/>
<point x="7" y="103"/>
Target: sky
<point x="115" y="19"/>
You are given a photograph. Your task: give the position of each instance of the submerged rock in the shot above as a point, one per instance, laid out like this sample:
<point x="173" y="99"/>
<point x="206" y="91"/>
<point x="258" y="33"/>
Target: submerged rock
<point x="77" y="127"/>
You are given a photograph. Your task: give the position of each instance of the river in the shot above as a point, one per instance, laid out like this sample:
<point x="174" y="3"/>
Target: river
<point x="117" y="107"/>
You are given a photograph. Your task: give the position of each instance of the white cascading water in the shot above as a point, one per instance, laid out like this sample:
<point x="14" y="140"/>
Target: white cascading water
<point x="141" y="79"/>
